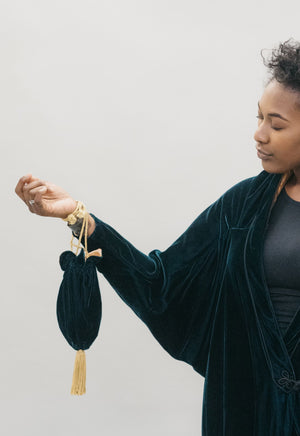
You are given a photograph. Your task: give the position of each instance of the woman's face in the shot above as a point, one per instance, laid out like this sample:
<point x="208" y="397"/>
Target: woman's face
<point x="278" y="132"/>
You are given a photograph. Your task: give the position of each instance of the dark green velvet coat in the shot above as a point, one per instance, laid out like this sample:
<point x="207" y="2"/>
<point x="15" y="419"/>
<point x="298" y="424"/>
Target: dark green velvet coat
<point x="206" y="301"/>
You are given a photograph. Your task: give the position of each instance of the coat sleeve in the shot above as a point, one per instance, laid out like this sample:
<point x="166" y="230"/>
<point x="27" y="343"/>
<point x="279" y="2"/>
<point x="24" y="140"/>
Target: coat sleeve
<point x="173" y="291"/>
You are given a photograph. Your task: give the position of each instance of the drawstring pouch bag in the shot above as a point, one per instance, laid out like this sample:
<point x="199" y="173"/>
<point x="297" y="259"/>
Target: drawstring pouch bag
<point x="79" y="306"/>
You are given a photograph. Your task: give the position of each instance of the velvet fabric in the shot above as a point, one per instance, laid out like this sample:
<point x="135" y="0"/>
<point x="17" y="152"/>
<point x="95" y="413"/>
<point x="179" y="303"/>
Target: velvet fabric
<point x="79" y="307"/>
<point x="206" y="301"/>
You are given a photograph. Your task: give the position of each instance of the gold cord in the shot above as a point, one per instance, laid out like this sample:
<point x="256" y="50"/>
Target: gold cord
<point x="79" y="213"/>
<point x="84" y="230"/>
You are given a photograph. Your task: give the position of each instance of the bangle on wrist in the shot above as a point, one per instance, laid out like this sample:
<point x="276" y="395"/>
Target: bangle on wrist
<point x="78" y="213"/>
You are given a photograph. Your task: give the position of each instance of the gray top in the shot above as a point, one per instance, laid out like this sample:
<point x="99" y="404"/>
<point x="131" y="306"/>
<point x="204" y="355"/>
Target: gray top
<point x="282" y="258"/>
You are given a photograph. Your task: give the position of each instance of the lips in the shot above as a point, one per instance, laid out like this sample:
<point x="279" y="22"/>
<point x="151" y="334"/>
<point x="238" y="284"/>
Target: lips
<point x="262" y="152"/>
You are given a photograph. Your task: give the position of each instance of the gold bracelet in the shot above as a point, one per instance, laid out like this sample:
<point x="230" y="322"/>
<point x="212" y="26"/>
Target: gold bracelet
<point x="78" y="213"/>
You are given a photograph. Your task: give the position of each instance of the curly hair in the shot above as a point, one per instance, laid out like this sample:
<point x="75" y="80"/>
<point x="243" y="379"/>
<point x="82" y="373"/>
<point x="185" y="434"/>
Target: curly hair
<point x="284" y="64"/>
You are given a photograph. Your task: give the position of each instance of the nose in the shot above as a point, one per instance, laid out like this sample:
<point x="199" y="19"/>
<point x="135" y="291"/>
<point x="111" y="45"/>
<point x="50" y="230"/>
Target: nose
<point x="261" y="134"/>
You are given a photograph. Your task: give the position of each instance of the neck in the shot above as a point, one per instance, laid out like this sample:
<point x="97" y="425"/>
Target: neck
<point x="295" y="178"/>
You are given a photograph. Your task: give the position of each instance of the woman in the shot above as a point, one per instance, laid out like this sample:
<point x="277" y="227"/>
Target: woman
<point x="224" y="297"/>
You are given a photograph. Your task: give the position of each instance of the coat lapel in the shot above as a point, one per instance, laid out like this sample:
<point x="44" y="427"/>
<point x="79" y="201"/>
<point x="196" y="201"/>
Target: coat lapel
<point x="277" y="348"/>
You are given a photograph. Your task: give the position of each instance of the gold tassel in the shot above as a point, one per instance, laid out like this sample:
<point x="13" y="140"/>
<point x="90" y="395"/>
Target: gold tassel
<point x="79" y="374"/>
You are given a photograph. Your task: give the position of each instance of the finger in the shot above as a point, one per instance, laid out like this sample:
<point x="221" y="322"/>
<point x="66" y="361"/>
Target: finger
<point x="29" y="186"/>
<point x="38" y="190"/>
<point x="24" y="181"/>
<point x="34" y="182"/>
<point x="27" y="189"/>
<point x="20" y="184"/>
<point x="38" y="199"/>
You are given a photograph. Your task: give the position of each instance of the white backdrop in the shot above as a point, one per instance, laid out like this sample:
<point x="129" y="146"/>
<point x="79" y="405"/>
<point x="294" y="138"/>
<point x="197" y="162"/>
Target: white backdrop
<point x="145" y="111"/>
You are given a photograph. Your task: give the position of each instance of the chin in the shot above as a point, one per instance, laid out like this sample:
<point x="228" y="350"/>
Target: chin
<point x="272" y="168"/>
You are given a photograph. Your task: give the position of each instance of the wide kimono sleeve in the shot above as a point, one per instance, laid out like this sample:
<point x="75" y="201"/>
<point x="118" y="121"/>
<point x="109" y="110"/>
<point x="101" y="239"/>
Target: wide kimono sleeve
<point x="174" y="292"/>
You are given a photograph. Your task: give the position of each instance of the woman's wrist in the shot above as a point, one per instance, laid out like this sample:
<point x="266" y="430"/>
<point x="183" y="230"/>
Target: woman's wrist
<point x="76" y="227"/>
<point x="79" y="217"/>
<point x="70" y="210"/>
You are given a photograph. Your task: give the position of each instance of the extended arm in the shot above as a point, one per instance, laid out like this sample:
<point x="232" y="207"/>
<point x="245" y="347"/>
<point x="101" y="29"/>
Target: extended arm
<point x="173" y="291"/>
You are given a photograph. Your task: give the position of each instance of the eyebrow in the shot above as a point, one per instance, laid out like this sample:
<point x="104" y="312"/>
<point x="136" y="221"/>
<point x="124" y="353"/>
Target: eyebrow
<point x="274" y="114"/>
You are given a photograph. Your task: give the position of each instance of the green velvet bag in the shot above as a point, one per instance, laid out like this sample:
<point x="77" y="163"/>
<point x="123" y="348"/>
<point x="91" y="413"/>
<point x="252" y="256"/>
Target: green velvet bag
<point x="79" y="309"/>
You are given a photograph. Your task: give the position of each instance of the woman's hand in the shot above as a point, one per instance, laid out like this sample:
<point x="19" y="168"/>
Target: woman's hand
<point x="44" y="198"/>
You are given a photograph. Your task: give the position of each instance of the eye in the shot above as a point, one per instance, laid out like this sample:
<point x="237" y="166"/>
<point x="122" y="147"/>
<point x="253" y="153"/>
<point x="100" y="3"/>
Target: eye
<point x="260" y="117"/>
